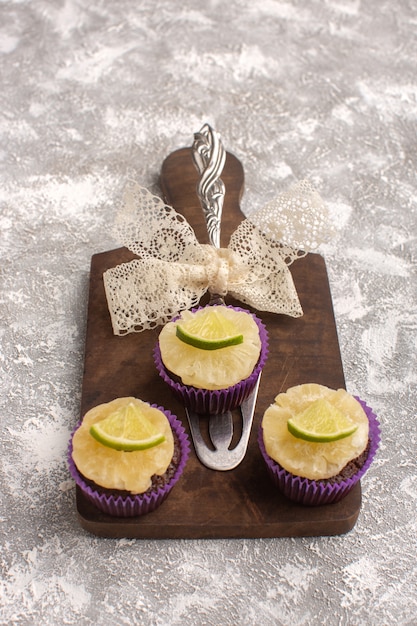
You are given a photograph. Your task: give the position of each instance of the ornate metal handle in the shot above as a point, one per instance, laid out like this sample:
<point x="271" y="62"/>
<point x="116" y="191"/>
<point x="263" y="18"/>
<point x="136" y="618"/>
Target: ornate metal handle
<point x="209" y="157"/>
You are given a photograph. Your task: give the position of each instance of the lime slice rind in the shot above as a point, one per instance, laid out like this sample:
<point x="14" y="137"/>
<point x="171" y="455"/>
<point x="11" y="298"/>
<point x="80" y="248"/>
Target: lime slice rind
<point x="123" y="444"/>
<point x="207" y="344"/>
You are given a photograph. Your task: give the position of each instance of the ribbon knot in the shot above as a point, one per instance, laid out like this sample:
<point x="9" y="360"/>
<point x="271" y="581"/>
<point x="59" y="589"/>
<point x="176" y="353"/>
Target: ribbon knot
<point x="173" y="270"/>
<point x="223" y="267"/>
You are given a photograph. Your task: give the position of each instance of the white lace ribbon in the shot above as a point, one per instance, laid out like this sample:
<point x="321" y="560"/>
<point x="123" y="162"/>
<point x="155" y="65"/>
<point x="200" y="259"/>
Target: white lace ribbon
<point x="173" y="270"/>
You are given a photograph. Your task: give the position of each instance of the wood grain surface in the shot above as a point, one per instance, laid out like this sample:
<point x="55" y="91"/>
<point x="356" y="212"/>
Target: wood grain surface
<point x="241" y="503"/>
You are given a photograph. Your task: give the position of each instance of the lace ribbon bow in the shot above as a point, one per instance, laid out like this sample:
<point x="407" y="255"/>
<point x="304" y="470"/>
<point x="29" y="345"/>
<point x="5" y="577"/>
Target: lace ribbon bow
<point x="173" y="270"/>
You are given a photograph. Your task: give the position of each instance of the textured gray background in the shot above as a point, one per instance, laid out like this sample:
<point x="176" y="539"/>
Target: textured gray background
<point x="93" y="93"/>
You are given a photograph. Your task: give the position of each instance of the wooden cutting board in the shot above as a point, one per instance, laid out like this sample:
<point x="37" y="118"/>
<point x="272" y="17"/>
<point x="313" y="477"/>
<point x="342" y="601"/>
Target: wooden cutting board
<point x="205" y="503"/>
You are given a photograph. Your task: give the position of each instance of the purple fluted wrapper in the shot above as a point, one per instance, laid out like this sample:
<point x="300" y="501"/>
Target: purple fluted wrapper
<point x="135" y="504"/>
<point x="315" y="493"/>
<point x="207" y="401"/>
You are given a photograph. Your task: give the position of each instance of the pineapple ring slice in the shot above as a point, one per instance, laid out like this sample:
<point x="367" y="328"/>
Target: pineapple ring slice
<point x="118" y="469"/>
<point x="309" y="459"/>
<point x="212" y="369"/>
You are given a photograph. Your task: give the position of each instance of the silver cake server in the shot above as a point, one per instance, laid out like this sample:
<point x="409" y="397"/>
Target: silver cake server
<point x="209" y="157"/>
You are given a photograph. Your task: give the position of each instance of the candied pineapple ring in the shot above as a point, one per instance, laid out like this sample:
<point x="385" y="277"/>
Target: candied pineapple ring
<point x="310" y="459"/>
<point x="115" y="469"/>
<point x="212" y="369"/>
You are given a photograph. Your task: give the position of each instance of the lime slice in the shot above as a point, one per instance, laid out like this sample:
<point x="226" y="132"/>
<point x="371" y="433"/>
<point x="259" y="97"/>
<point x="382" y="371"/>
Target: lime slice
<point x="321" y="422"/>
<point x="127" y="429"/>
<point x="209" y="330"/>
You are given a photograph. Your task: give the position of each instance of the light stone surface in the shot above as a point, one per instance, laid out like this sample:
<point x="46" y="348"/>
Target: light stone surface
<point x="94" y="93"/>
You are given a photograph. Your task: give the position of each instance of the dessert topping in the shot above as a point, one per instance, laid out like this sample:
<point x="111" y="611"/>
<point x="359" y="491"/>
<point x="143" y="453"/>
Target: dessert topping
<point x="313" y="459"/>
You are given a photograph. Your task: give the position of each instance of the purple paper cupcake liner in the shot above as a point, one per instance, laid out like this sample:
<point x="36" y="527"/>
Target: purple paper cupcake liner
<point x="315" y="493"/>
<point x="206" y="401"/>
<point x="135" y="504"/>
